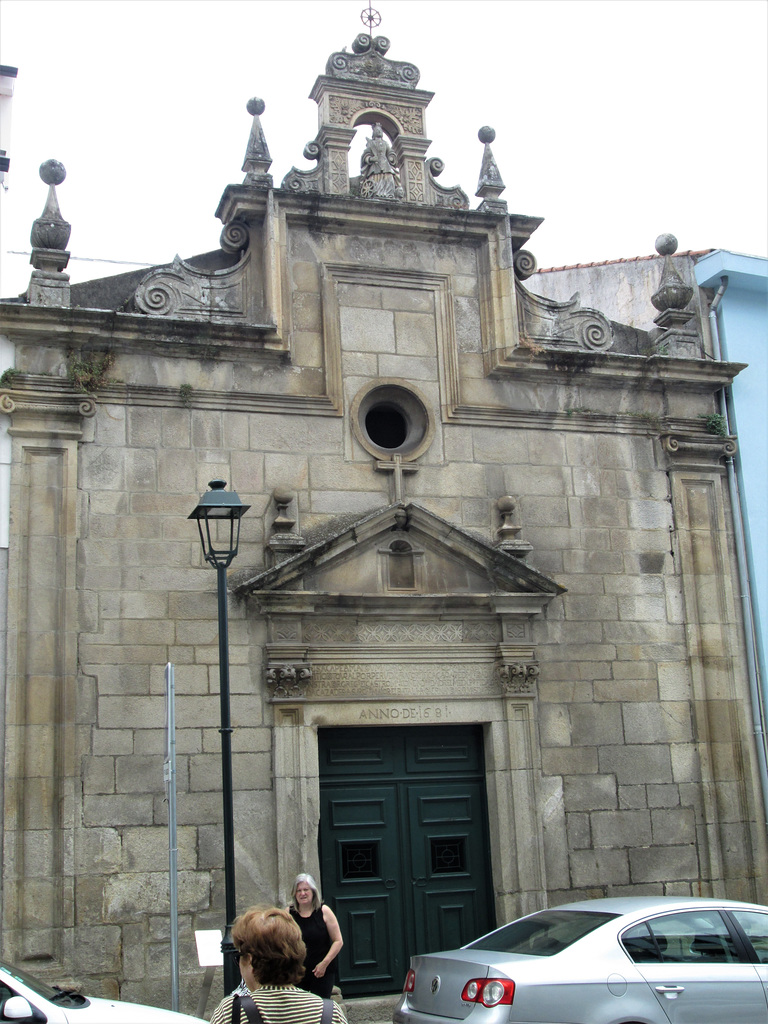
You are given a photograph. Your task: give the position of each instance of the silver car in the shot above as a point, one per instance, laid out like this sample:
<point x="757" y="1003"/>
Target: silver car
<point x="633" y="960"/>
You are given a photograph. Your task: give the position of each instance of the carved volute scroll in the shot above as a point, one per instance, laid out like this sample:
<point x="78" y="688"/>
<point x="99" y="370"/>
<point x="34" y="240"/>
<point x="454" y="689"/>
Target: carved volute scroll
<point x="562" y="325"/>
<point x="184" y="291"/>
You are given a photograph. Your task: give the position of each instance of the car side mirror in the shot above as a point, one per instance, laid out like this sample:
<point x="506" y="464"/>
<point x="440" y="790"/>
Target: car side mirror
<point x="18" y="1008"/>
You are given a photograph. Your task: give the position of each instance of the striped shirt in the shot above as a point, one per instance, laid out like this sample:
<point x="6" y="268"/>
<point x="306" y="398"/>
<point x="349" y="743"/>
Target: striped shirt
<point x="285" y="1004"/>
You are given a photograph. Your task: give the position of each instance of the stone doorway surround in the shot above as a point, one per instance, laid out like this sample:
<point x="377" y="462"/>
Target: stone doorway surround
<point x="345" y="648"/>
<point x="516" y="842"/>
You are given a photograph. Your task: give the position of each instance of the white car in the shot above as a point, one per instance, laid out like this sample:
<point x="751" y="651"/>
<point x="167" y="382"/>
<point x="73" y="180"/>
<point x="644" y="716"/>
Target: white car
<point x="26" y="1000"/>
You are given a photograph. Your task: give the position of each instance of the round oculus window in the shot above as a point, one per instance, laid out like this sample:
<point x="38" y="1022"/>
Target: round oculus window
<point x="390" y="419"/>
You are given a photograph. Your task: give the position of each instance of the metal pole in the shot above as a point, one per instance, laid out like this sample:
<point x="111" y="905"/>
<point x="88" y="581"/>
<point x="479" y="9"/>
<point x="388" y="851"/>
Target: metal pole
<point x="231" y="970"/>
<point x="170" y="788"/>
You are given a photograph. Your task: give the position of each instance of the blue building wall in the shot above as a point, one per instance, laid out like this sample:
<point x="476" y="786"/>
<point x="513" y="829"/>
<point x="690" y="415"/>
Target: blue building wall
<point x="743" y="331"/>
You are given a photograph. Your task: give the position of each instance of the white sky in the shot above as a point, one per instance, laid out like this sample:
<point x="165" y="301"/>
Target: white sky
<point x="615" y="120"/>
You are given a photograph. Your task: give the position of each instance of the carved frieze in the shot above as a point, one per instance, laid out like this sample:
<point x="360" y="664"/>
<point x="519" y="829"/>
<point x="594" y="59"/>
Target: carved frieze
<point x="343" y="109"/>
<point x="409" y="632"/>
<point x="353" y="631"/>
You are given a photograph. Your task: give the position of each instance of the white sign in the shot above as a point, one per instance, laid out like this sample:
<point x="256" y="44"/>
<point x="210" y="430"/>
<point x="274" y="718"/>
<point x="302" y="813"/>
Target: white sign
<point x="209" y="947"/>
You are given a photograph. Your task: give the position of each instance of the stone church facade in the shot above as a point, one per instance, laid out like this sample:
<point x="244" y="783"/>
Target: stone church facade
<point x="485" y="641"/>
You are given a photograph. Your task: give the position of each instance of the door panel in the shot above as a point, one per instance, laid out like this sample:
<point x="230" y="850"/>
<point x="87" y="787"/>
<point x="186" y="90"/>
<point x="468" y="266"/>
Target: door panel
<point x="368" y="958"/>
<point x="403" y="840"/>
<point x="447" y="847"/>
<point x="360" y="866"/>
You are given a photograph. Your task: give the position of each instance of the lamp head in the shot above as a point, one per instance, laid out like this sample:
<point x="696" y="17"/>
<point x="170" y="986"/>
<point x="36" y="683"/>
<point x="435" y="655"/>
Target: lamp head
<point x="219" y="507"/>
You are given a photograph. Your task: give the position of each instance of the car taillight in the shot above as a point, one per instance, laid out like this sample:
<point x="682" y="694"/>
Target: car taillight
<point x="410" y="981"/>
<point x="489" y="991"/>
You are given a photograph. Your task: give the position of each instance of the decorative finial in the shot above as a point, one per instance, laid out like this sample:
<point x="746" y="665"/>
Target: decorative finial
<point x="282" y="522"/>
<point x="50" y="230"/>
<point x="490" y="185"/>
<point x="53" y="172"/>
<point x="48" y="285"/>
<point x="671" y="335"/>
<point x="666" y="244"/>
<point x="673" y="292"/>
<point x="508" y="532"/>
<point x="370" y="16"/>
<point x="285" y="541"/>
<point x="257" y="159"/>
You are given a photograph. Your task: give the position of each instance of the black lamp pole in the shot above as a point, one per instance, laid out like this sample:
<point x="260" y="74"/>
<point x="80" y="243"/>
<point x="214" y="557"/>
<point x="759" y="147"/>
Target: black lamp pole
<point x="221" y="508"/>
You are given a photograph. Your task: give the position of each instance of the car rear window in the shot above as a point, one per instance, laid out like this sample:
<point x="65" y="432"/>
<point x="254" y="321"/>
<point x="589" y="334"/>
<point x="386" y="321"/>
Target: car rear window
<point x="543" y="934"/>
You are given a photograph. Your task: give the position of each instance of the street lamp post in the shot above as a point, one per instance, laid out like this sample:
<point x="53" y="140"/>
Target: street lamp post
<point x="218" y="515"/>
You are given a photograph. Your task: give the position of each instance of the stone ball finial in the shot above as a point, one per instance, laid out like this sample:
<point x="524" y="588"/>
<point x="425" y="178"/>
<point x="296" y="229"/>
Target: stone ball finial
<point x="255" y="106"/>
<point x="282" y="495"/>
<point x="50" y="230"/>
<point x="666" y="244"/>
<point x="673" y="293"/>
<point x="486" y="135"/>
<point x="506" y="504"/>
<point x="52" y="172"/>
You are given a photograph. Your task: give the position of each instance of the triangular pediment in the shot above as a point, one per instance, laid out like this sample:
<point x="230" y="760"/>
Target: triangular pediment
<point x="402" y="551"/>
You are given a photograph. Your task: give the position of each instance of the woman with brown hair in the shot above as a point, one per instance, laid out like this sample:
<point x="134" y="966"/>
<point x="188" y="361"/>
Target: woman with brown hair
<point x="271" y="954"/>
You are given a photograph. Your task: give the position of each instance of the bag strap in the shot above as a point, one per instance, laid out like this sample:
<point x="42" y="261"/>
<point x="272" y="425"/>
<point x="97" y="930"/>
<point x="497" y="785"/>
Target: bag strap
<point x="254" y="1016"/>
<point x="251" y="1010"/>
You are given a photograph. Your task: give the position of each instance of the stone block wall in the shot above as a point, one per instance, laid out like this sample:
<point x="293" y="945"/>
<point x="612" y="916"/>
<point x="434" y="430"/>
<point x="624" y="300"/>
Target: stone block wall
<point x="628" y="768"/>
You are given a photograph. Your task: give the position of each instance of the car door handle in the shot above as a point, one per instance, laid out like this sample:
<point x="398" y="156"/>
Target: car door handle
<point x="671" y="991"/>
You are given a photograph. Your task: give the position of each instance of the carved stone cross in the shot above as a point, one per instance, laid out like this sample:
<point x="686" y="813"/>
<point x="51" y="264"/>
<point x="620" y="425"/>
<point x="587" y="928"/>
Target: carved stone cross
<point x="397" y="467"/>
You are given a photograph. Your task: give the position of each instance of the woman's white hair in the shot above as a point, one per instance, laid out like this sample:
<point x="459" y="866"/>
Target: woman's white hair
<point x="316" y="901"/>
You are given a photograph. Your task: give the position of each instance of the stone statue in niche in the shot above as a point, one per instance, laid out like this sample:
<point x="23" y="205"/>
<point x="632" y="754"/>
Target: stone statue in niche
<point x="379" y="178"/>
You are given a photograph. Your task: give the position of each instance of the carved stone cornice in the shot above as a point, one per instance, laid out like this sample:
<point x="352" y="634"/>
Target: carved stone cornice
<point x="134" y="332"/>
<point x="697" y="451"/>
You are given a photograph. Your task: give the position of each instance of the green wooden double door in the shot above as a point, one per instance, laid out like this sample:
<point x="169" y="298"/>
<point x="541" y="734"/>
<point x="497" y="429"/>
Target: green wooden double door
<point x="403" y="846"/>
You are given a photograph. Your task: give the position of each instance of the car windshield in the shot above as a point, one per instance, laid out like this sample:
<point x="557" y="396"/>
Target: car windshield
<point x="37" y="986"/>
<point x="543" y="934"/>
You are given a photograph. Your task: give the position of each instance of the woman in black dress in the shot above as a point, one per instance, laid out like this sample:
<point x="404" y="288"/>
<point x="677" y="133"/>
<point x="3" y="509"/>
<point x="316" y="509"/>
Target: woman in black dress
<point x="321" y="933"/>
